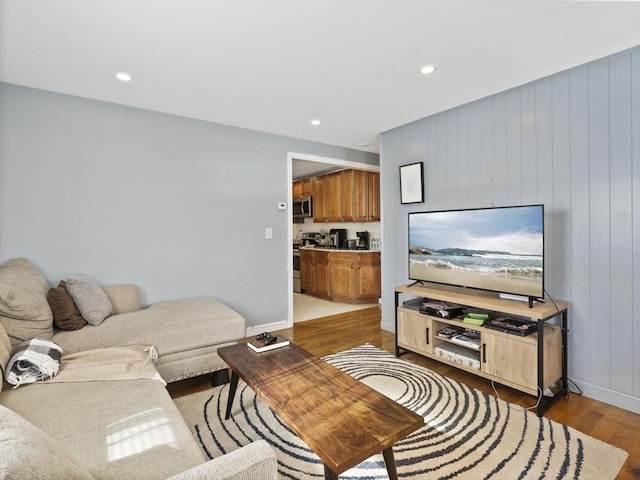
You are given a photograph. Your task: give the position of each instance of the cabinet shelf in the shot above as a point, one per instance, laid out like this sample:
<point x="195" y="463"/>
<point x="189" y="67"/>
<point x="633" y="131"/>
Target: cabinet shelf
<point x="530" y="364"/>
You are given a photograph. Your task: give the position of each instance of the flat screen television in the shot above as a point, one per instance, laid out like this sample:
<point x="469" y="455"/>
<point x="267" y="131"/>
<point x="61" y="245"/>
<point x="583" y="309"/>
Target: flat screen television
<point x="499" y="249"/>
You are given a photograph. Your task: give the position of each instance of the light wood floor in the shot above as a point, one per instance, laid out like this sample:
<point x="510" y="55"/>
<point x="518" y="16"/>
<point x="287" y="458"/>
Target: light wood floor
<point x="341" y="332"/>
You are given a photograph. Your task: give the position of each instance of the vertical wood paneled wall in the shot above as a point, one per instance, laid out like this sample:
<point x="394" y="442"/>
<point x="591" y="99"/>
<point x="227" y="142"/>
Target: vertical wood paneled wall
<point x="572" y="142"/>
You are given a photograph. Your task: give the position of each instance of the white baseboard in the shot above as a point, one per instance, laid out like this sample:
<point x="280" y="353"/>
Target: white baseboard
<point x="388" y="326"/>
<point x="267" y="327"/>
<point x="617" y="399"/>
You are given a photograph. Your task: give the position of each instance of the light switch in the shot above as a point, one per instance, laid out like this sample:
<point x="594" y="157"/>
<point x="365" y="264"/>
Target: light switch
<point x="268" y="233"/>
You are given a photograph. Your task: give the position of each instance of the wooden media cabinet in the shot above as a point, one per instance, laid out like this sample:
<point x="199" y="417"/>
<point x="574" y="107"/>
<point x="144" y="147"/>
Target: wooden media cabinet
<point x="531" y="364"/>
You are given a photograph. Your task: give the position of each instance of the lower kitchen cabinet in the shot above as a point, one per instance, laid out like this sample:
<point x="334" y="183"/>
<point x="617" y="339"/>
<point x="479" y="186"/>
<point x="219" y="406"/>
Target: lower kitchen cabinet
<point x="348" y="276"/>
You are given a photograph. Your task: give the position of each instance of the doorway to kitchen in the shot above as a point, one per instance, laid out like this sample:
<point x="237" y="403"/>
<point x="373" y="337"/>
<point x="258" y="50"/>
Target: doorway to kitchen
<point x="301" y="306"/>
<point x="306" y="307"/>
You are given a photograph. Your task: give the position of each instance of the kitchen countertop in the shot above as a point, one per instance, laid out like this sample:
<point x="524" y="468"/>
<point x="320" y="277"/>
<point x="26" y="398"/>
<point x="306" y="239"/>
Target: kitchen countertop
<point x="348" y="250"/>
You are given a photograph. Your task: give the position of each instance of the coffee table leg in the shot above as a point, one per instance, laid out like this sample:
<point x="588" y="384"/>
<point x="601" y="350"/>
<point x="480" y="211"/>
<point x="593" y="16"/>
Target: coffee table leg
<point x="390" y="462"/>
<point x="233" y="385"/>
<point x="329" y="474"/>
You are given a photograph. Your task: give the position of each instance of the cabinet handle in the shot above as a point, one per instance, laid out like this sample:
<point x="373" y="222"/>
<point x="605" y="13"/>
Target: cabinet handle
<point x="484" y="353"/>
<point x="426" y="330"/>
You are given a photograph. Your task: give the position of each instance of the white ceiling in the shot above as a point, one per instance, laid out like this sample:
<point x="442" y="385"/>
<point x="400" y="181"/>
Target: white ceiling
<point x="274" y="65"/>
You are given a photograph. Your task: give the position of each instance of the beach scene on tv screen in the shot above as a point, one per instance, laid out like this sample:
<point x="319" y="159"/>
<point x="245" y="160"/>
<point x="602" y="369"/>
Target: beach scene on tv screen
<point x="498" y="249"/>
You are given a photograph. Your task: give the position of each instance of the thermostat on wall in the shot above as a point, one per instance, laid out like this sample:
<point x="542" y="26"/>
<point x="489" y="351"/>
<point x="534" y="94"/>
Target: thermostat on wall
<point x="282" y="205"/>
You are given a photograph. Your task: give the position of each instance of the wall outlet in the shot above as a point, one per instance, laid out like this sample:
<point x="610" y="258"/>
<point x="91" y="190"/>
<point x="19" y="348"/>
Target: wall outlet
<point x="268" y="233"/>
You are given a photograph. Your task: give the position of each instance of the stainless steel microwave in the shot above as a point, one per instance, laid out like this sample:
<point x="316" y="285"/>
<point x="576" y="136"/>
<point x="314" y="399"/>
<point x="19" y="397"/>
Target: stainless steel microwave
<point x="303" y="207"/>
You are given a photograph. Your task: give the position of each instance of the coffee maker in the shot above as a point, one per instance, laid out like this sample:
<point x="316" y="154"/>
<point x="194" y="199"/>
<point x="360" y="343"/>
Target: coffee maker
<point x="363" y="240"/>
<point x="337" y="237"/>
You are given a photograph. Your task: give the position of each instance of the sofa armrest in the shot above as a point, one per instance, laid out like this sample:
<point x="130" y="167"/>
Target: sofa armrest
<point x="256" y="461"/>
<point x="124" y="298"/>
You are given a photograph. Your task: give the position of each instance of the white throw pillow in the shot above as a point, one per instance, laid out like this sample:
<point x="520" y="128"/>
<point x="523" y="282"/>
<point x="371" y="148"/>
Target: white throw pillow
<point x="28" y="452"/>
<point x="90" y="299"/>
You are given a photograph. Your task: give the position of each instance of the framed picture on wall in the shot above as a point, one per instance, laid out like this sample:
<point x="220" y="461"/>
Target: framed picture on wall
<point x="412" y="183"/>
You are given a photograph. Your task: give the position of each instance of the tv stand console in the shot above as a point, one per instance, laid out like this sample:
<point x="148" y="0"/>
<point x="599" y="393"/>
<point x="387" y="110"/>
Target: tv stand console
<point x="534" y="364"/>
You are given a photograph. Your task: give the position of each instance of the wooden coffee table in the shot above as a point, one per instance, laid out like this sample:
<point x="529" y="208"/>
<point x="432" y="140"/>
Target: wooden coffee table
<point x="341" y="419"/>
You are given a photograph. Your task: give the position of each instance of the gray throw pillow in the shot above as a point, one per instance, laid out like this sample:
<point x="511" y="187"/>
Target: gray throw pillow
<point x="90" y="299"/>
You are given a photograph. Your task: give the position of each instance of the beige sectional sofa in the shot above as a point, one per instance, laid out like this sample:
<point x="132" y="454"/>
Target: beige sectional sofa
<point x="102" y="426"/>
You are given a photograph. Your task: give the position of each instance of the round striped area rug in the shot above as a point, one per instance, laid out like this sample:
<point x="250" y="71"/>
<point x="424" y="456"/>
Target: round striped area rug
<point x="468" y="434"/>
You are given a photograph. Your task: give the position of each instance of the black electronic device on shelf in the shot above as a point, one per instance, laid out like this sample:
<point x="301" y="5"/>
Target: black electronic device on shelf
<point x="441" y="309"/>
<point x="414" y="303"/>
<point x="512" y="325"/>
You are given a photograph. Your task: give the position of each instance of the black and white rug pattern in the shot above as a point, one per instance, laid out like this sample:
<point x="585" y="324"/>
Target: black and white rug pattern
<point x="468" y="434"/>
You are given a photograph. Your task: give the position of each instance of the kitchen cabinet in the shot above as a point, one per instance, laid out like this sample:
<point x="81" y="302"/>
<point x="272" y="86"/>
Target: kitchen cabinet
<point x="342" y="273"/>
<point x="318" y="189"/>
<point x="345" y="196"/>
<point x="302" y="188"/>
<point x="314" y="273"/>
<point x="374" y="196"/>
<point x="348" y="276"/>
<point x="368" y="280"/>
<point x="333" y="197"/>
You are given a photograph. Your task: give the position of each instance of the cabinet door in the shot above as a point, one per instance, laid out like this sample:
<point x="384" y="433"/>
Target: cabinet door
<point x="321" y="274"/>
<point x="333" y="197"/>
<point x="296" y="190"/>
<point x="347" y="203"/>
<point x="374" y="196"/>
<point x="319" y="211"/>
<point x="415" y="331"/>
<point x="306" y="271"/>
<point x="368" y="277"/>
<point x="306" y="187"/>
<point x="361" y="196"/>
<point x="342" y="277"/>
<point x="510" y="358"/>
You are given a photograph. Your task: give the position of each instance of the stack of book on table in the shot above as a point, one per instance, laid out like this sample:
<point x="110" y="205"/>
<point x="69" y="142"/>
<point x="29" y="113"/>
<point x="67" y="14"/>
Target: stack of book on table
<point x="271" y="342"/>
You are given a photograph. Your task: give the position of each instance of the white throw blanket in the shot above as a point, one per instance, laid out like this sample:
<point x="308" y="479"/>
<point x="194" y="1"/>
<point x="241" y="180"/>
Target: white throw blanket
<point x="110" y="363"/>
<point x="33" y="360"/>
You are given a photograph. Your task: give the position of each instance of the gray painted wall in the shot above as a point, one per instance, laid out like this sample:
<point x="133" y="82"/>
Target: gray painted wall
<point x="177" y="206"/>
<point x="572" y="142"/>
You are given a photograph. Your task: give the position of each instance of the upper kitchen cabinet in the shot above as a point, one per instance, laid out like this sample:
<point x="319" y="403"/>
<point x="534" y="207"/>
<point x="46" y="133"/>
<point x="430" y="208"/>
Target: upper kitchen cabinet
<point x="366" y="196"/>
<point x="318" y="189"/>
<point x="302" y="188"/>
<point x="346" y="196"/>
<point x="374" y="196"/>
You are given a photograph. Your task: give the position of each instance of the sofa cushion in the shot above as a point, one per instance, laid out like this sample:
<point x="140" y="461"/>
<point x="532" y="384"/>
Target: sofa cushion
<point x="89" y="298"/>
<point x="28" y="452"/>
<point x="124" y="298"/>
<point x="174" y="327"/>
<point x="66" y="315"/>
<point x="24" y="310"/>
<point x="115" y="429"/>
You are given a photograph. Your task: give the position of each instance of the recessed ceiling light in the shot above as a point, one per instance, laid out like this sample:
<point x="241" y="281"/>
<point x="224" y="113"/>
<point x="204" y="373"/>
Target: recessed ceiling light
<point x="315" y="122"/>
<point x="427" y="69"/>
<point x="124" y="77"/>
<point x="364" y="144"/>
